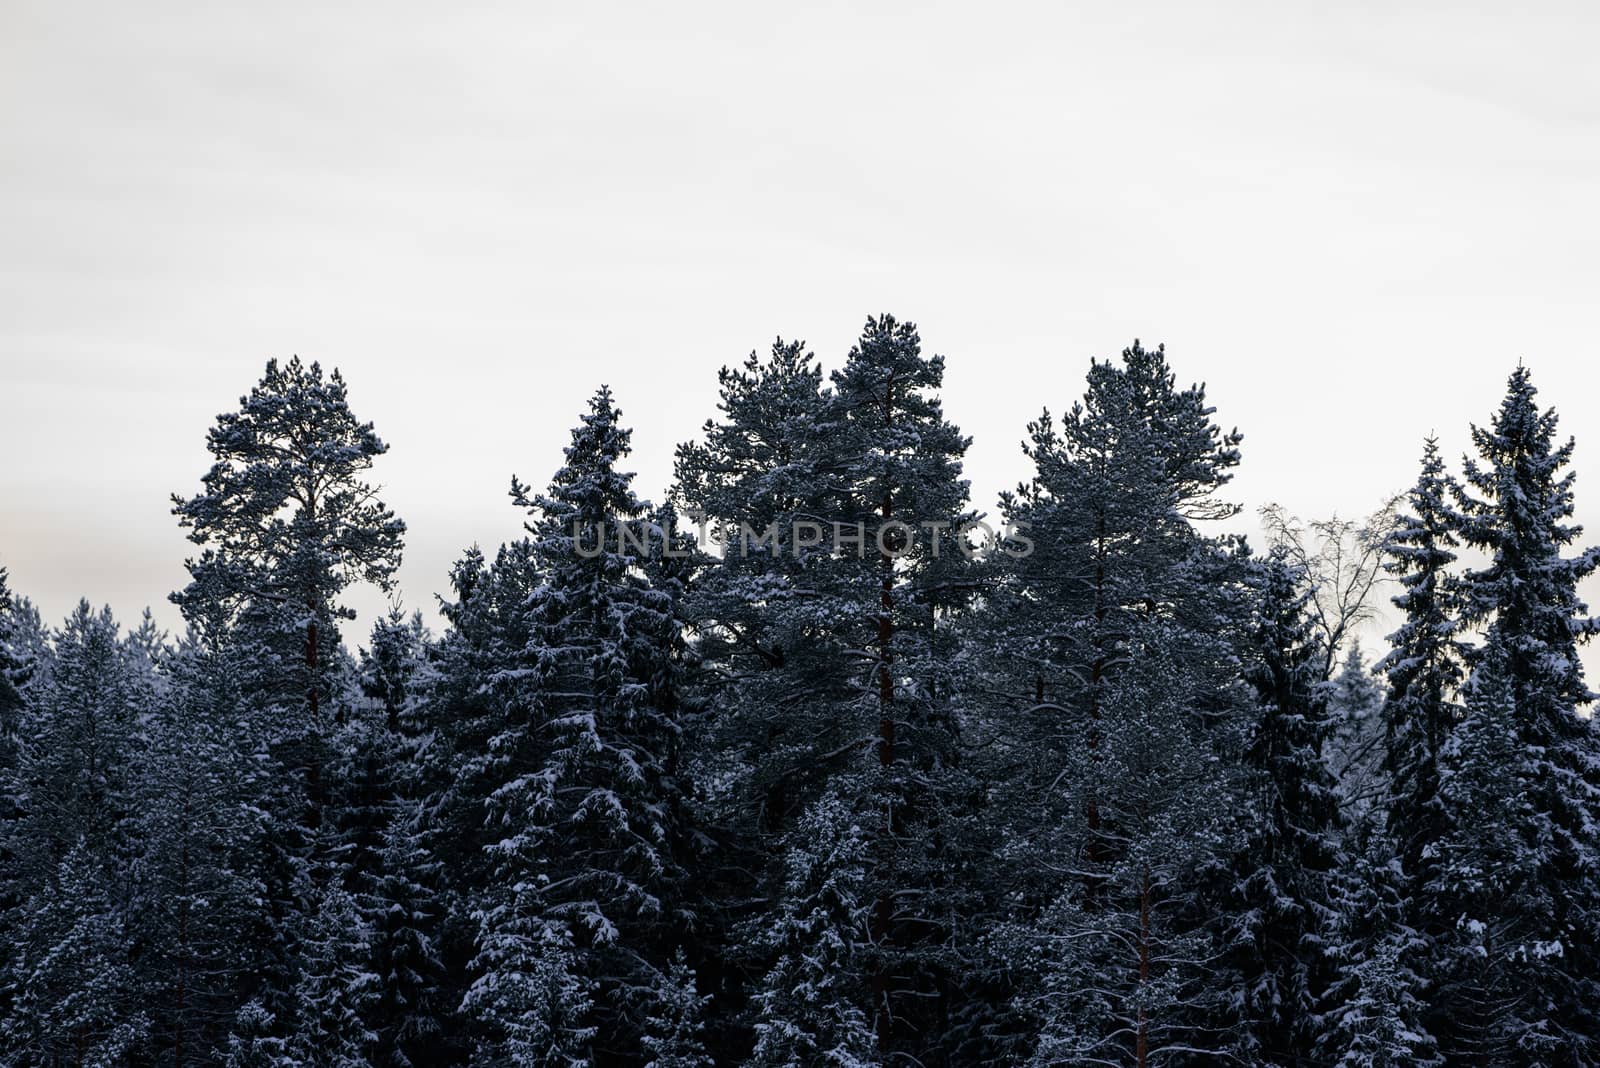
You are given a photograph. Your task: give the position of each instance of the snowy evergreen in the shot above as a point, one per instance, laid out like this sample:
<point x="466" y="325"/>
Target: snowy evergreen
<point x="11" y="671"/>
<point x="1277" y="916"/>
<point x="893" y="472"/>
<point x="1424" y="664"/>
<point x="827" y="665"/>
<point x="404" y="907"/>
<point x="1371" y="1015"/>
<point x="588" y="804"/>
<point x="287" y="523"/>
<point x="334" y="990"/>
<point x="1518" y="868"/>
<point x="860" y="784"/>
<point x="1355" y="749"/>
<point x="69" y="970"/>
<point x="1115" y="707"/>
<point x="674" y="1034"/>
<point x="811" y="1004"/>
<point x="253" y="1042"/>
<point x="200" y="922"/>
<point x="1124" y="967"/>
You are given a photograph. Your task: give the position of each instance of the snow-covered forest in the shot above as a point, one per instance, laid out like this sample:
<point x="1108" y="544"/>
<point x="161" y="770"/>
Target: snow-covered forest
<point x="1135" y="796"/>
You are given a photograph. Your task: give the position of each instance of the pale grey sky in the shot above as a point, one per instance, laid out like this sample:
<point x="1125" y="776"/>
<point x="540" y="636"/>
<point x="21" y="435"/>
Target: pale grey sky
<point x="1350" y="220"/>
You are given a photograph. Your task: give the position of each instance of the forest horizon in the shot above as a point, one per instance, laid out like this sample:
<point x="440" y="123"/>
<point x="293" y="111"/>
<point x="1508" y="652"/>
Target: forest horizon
<point x="761" y="772"/>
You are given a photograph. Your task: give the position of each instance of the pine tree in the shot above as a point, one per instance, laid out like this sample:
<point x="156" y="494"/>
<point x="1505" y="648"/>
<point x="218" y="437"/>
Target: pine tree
<point x="768" y="667"/>
<point x="1518" y="877"/>
<point x="289" y="522"/>
<point x="1124" y="971"/>
<point x="1110" y="513"/>
<point x="1117" y="567"/>
<point x="773" y="681"/>
<point x="893" y="465"/>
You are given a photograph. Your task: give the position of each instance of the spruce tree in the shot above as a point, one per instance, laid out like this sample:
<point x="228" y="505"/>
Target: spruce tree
<point x="1423" y="667"/>
<point x="334" y="990"/>
<point x="1277" y="918"/>
<point x="1518" y="877"/>
<point x="75" y="988"/>
<point x="404" y="907"/>
<point x="472" y="694"/>
<point x="1356" y="735"/>
<point x="589" y="806"/>
<point x="74" y="765"/>
<point x="809" y="1003"/>
<point x="254" y="1043"/>
<point x="199" y="926"/>
<point x="674" y="1035"/>
<point x="528" y="995"/>
<point x="400" y="885"/>
<point x="12" y="671"/>
<point x="1371" y="1016"/>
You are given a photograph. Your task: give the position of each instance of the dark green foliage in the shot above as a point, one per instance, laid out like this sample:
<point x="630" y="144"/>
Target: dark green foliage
<point x="851" y="786"/>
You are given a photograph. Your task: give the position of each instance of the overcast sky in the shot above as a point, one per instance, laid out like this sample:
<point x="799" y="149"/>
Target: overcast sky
<point x="1350" y="222"/>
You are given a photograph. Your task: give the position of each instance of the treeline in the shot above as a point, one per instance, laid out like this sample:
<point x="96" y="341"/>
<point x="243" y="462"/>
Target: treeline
<point x="1131" y="797"/>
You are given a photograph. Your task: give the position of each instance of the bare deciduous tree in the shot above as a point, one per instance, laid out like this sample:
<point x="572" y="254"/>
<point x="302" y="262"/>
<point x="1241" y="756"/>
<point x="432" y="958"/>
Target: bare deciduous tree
<point x="1342" y="561"/>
